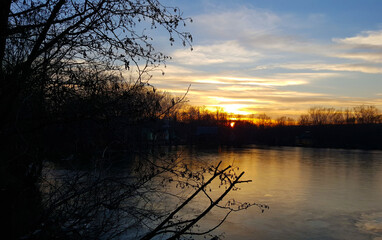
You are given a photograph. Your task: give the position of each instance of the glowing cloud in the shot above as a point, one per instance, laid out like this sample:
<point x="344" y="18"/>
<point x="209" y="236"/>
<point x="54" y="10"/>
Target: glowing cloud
<point x="365" y="39"/>
<point x="335" y="67"/>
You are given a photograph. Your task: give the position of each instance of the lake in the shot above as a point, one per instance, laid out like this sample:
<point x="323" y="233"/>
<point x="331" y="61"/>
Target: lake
<point x="312" y="193"/>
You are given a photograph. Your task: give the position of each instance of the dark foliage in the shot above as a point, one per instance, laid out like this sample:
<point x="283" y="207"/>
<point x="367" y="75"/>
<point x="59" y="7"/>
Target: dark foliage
<point x="66" y="102"/>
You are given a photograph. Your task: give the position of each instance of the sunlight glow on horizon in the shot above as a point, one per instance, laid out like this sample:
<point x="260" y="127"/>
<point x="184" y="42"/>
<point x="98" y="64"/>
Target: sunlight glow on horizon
<point x="251" y="57"/>
<point x="231" y="108"/>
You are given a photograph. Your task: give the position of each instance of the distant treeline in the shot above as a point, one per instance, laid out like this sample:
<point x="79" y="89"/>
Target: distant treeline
<point x="358" y="127"/>
<point x="362" y="114"/>
<point x="87" y="116"/>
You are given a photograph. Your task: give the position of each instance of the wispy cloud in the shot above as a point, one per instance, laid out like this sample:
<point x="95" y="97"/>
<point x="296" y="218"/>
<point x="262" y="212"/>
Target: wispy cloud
<point x="367" y="39"/>
<point x="236" y="23"/>
<point x="364" y="68"/>
<point x="265" y="81"/>
<point x="230" y="52"/>
<point x="374" y="57"/>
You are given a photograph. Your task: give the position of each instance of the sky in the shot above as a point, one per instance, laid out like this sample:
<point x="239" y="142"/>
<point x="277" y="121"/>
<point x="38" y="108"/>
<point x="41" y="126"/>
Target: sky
<point x="279" y="57"/>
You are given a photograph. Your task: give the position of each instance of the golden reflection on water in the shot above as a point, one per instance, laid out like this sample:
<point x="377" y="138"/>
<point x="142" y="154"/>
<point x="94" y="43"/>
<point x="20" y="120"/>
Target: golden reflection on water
<point x="313" y="193"/>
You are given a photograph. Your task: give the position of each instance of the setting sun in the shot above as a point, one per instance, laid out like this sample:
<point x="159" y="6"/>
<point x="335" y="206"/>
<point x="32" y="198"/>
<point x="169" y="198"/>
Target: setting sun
<point x="235" y="108"/>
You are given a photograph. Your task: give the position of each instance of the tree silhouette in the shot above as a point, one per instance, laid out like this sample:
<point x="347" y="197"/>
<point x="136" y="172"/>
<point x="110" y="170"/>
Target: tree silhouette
<point x="62" y="64"/>
<point x="53" y="52"/>
<point x="367" y="114"/>
<point x="264" y="120"/>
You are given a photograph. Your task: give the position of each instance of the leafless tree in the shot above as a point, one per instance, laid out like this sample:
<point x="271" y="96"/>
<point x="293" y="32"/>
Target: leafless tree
<point x="54" y="53"/>
<point x="304" y="120"/>
<point x="367" y="114"/>
<point x="43" y="41"/>
<point x="349" y="116"/>
<point x="321" y="116"/>
<point x="138" y="205"/>
<point x="264" y="120"/>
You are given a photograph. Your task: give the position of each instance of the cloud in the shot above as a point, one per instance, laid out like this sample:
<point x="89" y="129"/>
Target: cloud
<point x="334" y="67"/>
<point x="374" y="57"/>
<point x="365" y="47"/>
<point x="261" y="81"/>
<point x="215" y="80"/>
<point x="254" y="31"/>
<point x="306" y="76"/>
<point x="242" y="88"/>
<point x="270" y="96"/>
<point x="178" y="70"/>
<point x="218" y="80"/>
<point x="281" y="45"/>
<point x="231" y="108"/>
<point x="236" y="99"/>
<point x="258" y="29"/>
<point x="366" y="39"/>
<point x="236" y="23"/>
<point x="227" y="52"/>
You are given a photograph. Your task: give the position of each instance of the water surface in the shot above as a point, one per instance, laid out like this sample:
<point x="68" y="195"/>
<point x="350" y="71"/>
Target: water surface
<point x="312" y="193"/>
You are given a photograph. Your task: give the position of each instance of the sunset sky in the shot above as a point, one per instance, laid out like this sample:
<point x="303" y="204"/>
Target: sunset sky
<point x="278" y="57"/>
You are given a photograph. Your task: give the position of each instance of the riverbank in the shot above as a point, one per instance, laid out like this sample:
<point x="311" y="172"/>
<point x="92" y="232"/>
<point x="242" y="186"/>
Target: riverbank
<point x="352" y="136"/>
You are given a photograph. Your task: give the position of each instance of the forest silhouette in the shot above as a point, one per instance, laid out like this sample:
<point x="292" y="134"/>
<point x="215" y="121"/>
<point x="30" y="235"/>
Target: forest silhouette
<point x="69" y="115"/>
